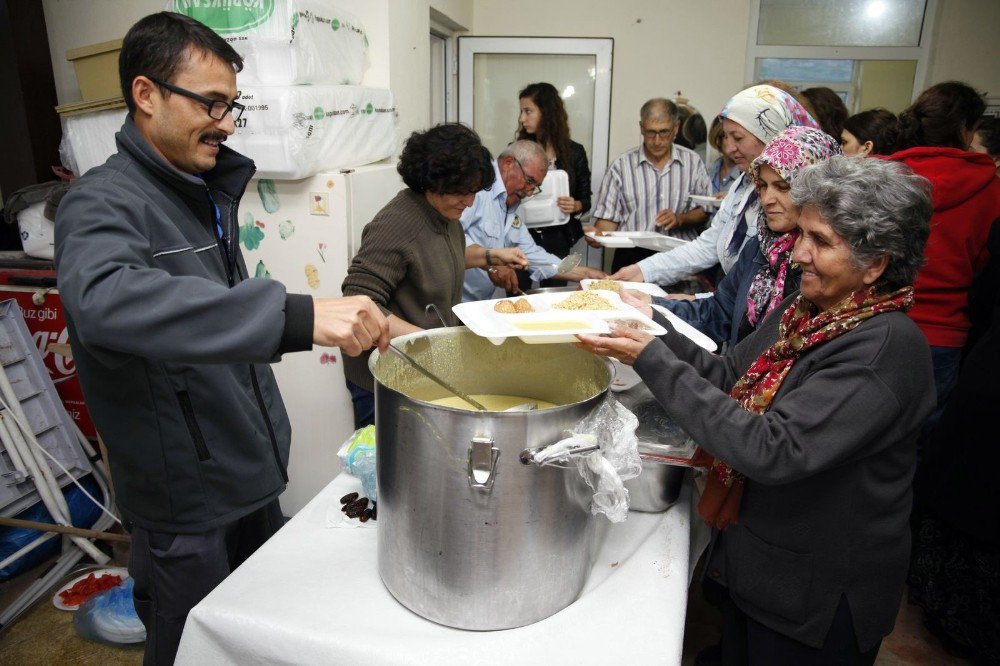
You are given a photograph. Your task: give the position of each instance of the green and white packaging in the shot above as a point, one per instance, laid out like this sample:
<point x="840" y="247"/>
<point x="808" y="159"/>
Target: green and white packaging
<point x="293" y="132"/>
<point x="286" y="42"/>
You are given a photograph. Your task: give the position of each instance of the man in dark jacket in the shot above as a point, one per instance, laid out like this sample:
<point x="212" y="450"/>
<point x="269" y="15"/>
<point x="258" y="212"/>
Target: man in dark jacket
<point x="172" y="338"/>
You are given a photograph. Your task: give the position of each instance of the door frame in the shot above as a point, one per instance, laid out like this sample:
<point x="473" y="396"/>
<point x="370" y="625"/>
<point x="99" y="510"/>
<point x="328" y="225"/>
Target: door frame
<point x="602" y="48"/>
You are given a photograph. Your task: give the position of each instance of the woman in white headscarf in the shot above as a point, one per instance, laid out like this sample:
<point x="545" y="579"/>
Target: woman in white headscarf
<point x="750" y="119"/>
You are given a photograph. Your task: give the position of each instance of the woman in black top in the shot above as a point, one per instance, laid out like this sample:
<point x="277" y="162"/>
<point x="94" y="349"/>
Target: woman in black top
<point x="543" y="119"/>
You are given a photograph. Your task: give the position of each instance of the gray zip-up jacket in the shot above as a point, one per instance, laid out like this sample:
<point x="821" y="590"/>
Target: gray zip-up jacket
<point x="172" y="341"/>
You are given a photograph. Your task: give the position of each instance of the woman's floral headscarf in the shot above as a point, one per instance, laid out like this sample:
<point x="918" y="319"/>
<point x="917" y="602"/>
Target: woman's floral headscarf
<point x="791" y="151"/>
<point x="765" y="111"/>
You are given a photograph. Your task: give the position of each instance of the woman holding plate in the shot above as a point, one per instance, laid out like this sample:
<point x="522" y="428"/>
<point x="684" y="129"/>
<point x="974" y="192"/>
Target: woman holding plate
<point x="809" y="425"/>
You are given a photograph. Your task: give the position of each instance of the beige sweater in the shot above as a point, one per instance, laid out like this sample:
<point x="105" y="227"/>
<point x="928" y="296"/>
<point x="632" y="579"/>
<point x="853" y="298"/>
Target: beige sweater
<point x="410" y="256"/>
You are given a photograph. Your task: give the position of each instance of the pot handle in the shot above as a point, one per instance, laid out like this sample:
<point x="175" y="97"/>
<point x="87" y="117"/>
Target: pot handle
<point x="483" y="463"/>
<point x="560" y="452"/>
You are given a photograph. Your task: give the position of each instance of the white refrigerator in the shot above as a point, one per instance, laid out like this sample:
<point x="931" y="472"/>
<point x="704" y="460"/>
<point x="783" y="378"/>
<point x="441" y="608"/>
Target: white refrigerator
<point x="304" y="233"/>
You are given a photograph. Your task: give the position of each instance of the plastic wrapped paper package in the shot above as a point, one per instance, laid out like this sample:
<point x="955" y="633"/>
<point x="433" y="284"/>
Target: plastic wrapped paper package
<point x="287" y="42"/>
<point x="89" y="139"/>
<point x="293" y="132"/>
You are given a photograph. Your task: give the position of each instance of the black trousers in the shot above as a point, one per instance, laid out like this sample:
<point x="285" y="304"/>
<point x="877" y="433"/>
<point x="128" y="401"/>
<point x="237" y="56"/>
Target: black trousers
<point x="747" y="642"/>
<point x="173" y="572"/>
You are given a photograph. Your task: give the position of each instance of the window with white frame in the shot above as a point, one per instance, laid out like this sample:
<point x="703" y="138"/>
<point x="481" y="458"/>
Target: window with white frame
<point x="870" y="52"/>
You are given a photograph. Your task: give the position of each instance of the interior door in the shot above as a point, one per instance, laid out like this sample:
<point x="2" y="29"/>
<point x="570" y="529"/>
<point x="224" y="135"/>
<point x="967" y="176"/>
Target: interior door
<point x="492" y="70"/>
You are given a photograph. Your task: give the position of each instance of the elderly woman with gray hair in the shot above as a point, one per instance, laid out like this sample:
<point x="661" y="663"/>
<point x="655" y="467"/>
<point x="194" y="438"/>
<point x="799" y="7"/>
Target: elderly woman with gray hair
<point x="808" y="426"/>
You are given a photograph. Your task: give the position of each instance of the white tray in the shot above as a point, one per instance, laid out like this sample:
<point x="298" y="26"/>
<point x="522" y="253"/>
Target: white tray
<point x="651" y="240"/>
<point x="707" y="202"/>
<point x="650" y="288"/>
<point x="484" y="321"/>
<point x="687" y="330"/>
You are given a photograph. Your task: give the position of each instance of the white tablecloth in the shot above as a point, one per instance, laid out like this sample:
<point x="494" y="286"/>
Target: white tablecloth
<point x="312" y="595"/>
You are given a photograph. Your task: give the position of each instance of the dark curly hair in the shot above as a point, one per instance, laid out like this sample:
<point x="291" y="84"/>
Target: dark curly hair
<point x="876" y="125"/>
<point x="940" y="115"/>
<point x="554" y="127"/>
<point x="446" y="159"/>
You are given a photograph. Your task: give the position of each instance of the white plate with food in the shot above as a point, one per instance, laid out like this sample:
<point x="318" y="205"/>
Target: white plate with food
<point x="706" y="201"/>
<point x="552" y="317"/>
<point x="73" y="594"/>
<point x="612" y="285"/>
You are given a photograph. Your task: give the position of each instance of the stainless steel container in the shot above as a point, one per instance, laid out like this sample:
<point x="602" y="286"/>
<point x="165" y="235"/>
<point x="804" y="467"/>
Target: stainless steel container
<point x="467" y="536"/>
<point x="656" y="488"/>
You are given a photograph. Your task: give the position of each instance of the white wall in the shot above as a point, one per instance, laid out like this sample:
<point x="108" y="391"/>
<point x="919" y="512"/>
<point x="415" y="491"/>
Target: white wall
<point x="661" y="46"/>
<point x="967" y="47"/>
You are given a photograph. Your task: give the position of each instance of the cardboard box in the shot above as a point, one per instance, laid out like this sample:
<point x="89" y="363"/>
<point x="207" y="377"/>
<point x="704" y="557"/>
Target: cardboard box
<point x="96" y="68"/>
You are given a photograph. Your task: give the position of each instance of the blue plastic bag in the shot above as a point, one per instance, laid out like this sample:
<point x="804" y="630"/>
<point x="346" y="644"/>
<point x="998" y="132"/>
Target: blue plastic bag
<point x="358" y="456"/>
<point x="83" y="513"/>
<point x="110" y="617"/>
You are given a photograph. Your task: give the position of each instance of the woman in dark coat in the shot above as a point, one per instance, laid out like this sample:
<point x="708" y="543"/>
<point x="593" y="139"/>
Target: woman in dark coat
<point x="809" y="425"/>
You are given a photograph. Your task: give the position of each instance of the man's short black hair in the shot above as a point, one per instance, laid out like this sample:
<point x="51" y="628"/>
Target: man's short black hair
<point x="446" y="159"/>
<point x="157" y="45"/>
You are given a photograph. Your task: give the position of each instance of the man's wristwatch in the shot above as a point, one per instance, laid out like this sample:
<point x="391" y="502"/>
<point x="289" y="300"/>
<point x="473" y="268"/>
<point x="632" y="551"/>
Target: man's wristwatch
<point x="489" y="258"/>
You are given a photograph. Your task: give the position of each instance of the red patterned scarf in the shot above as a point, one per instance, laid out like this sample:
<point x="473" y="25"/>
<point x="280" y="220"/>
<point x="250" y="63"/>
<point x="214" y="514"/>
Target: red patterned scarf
<point x="800" y="330"/>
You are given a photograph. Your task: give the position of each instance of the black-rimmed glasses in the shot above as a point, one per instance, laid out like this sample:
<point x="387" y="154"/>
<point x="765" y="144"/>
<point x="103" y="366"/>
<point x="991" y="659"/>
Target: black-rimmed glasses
<point x="217" y="109"/>
<point x="536" y="187"/>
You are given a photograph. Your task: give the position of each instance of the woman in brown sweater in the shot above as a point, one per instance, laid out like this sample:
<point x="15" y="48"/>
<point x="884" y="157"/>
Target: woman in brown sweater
<point x="413" y="252"/>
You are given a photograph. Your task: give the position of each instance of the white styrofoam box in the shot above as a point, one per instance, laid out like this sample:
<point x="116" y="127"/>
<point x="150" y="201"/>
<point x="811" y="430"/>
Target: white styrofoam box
<point x="293" y="132"/>
<point x="89" y="139"/>
<point x="287" y="42"/>
<point x="37" y="232"/>
<point x="542" y="210"/>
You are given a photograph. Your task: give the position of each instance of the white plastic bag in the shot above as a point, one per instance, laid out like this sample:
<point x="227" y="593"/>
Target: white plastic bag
<point x="294" y="132"/>
<point x="287" y="42"/>
<point x="37" y="232"/>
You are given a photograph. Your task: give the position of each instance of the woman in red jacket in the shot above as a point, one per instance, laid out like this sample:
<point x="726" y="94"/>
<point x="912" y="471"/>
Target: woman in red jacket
<point x="934" y="137"/>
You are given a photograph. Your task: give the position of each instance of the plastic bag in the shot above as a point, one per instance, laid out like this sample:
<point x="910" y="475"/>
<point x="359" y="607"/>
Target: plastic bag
<point x="612" y="427"/>
<point x="110" y="617"/>
<point x="358" y="457"/>
<point x="83" y="513"/>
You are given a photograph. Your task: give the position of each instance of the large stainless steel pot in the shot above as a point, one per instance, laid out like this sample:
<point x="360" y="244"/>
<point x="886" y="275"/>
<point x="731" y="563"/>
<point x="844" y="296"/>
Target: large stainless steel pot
<point x="467" y="536"/>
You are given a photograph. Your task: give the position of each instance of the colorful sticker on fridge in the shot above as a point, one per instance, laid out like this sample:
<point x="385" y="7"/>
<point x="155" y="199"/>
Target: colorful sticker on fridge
<point x="312" y="276"/>
<point x="326" y="358"/>
<point x="250" y="234"/>
<point x="262" y="271"/>
<point x="286" y="229"/>
<point x="268" y="195"/>
<point x="321" y="249"/>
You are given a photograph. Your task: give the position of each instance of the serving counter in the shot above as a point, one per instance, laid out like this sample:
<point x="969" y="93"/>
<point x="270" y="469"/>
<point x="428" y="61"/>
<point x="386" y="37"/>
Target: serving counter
<point x="312" y="595"/>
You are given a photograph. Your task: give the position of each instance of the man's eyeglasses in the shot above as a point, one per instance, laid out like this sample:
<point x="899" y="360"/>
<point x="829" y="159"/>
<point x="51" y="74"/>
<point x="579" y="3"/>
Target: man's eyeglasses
<point x="662" y="134"/>
<point x="217" y="109"/>
<point x="532" y="187"/>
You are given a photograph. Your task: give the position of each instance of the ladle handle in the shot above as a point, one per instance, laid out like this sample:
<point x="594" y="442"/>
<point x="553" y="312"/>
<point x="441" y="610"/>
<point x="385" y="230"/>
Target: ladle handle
<point x="434" y="378"/>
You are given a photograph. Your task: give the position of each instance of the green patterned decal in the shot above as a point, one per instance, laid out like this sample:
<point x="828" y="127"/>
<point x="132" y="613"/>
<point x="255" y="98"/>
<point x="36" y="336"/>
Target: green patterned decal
<point x="250" y="234"/>
<point x="227" y="16"/>
<point x="268" y="195"/>
<point x="262" y="271"/>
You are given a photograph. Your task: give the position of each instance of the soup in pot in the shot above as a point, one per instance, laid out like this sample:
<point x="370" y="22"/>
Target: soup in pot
<point x="494" y="403"/>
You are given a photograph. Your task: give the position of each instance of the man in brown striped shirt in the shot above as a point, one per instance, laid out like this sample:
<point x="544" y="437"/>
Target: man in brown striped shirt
<point x="648" y="188"/>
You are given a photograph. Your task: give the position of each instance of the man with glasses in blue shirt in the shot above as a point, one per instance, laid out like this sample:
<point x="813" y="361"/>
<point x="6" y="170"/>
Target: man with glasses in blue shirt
<point x="648" y="188"/>
<point x="171" y="336"/>
<point x="492" y="221"/>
